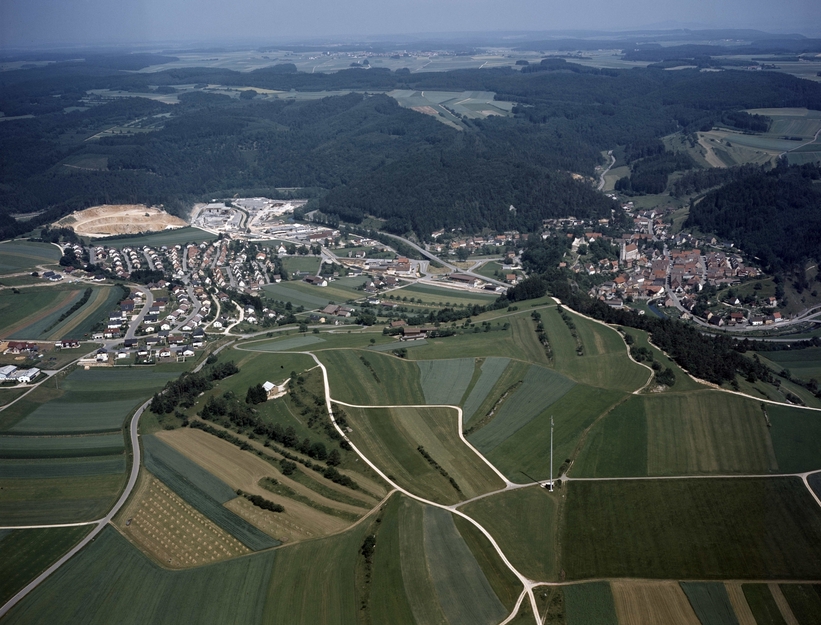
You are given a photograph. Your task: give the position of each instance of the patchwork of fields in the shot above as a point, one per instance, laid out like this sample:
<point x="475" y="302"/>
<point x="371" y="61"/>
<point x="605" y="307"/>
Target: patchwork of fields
<point x="186" y="546"/>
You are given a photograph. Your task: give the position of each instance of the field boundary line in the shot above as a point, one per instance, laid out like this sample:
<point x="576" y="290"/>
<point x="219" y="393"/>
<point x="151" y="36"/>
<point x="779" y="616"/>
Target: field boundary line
<point x="42" y="527"/>
<point x="101" y="524"/>
<point x="527" y="584"/>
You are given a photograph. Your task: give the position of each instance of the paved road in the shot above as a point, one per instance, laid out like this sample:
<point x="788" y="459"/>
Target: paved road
<point x="604" y="173"/>
<point x="450" y="266"/>
<point x="132" y="480"/>
<point x="149" y="302"/>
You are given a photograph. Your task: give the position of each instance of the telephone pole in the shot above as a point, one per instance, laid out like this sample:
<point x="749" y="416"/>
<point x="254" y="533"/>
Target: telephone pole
<point x="550" y="483"/>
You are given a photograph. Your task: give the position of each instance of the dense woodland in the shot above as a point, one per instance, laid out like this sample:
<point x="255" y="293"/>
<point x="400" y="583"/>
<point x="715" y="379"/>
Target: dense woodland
<point x="357" y="154"/>
<point x="773" y="215"/>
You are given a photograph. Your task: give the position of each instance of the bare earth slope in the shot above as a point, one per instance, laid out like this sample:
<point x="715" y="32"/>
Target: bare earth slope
<point x="108" y="219"/>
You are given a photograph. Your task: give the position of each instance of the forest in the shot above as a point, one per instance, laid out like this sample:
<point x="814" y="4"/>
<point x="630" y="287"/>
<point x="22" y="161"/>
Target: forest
<point x="773" y="215"/>
<point x="357" y="154"/>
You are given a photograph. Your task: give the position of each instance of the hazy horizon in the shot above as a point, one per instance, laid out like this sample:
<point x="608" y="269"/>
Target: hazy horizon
<point x="43" y="23"/>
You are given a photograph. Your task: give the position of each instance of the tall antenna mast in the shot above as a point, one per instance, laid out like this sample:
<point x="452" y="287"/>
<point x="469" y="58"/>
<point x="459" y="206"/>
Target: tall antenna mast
<point x="550" y="483"/>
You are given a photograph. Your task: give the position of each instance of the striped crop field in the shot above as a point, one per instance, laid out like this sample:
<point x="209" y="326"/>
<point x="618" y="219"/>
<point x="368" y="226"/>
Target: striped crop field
<point x="445" y="381"/>
<point x="540" y="388"/>
<point x="492" y="369"/>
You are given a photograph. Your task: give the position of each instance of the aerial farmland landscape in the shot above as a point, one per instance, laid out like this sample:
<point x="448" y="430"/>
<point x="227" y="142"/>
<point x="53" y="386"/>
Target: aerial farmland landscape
<point x="510" y="319"/>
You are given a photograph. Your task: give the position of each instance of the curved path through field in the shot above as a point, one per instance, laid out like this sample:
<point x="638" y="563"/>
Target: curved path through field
<point x="100" y="524"/>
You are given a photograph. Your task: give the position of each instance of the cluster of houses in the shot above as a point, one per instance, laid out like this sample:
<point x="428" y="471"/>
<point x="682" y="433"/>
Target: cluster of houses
<point x="471" y="243"/>
<point x="10" y="373"/>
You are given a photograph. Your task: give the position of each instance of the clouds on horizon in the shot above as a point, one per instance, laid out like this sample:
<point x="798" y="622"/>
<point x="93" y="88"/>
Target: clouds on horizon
<point x="52" y="22"/>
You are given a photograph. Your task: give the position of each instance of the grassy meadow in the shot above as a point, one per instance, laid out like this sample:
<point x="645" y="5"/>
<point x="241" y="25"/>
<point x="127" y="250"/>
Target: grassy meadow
<point x="166" y="237"/>
<point x="26" y="256"/>
<point x="524" y="524"/>
<point x="744" y="528"/>
<point x="672" y="433"/>
<point x="390" y="437"/>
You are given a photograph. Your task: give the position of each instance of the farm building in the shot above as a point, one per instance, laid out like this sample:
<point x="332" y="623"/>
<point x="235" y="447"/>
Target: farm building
<point x="275" y="391"/>
<point x="26" y="376"/>
<point x="7" y="371"/>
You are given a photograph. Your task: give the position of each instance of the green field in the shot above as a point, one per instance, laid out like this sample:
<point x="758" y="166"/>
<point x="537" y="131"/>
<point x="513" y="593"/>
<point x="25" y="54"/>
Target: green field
<point x="461" y="587"/>
<point x="525" y="451"/>
<point x="425" y="572"/>
<point x="21" y="256"/>
<point x="113" y="384"/>
<point x="590" y="603"/>
<point x="710" y="602"/>
<point x="111" y="581"/>
<point x="24" y="554"/>
<point x="804" y="600"/>
<point x="286" y="343"/>
<point x="385" y="380"/>
<point x="523" y="523"/>
<point x="605" y="362"/>
<point x="80" y="324"/>
<point x="445" y="381"/>
<point x="540" y="389"/>
<point x="60" y="446"/>
<point x="765" y="528"/>
<point x="167" y="237"/>
<point x="430" y="294"/>
<point x="693" y="433"/>
<point x="796" y="436"/>
<point x="32" y="501"/>
<point x="801" y="363"/>
<point x="202" y="490"/>
<point x="62" y="467"/>
<point x="389" y="437"/>
<point x="293" y="292"/>
<point x="492" y="369"/>
<point x="27" y="314"/>
<point x="301" y="263"/>
<point x="763" y="606"/>
<point x="58" y="417"/>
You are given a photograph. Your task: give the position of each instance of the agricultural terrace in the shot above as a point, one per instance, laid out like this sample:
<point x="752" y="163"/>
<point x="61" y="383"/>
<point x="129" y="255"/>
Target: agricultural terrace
<point x="444" y="296"/>
<point x="81" y="323"/>
<point x="371" y="378"/>
<point x="301" y="293"/>
<point x="26" y="256"/>
<point x="492" y="369"/>
<point x="445" y="381"/>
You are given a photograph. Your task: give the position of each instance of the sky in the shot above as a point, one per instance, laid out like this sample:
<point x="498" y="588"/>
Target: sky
<point x="25" y="23"/>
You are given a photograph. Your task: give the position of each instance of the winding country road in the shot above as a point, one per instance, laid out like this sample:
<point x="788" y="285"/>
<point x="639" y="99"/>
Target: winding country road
<point x="100" y="524"/>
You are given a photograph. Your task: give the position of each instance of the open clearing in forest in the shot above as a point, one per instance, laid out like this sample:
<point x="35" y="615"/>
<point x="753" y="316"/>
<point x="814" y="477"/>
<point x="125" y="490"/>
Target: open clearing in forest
<point x="445" y="381"/>
<point x="651" y="603"/>
<point x="390" y="438"/>
<point x="25" y="553"/>
<point x="699" y="432"/>
<point x="540" y="389"/>
<point x="590" y="603"/>
<point x="744" y="528"/>
<point x="20" y="256"/>
<point x="368" y="378"/>
<point x="172" y="532"/>
<point x="243" y="470"/>
<point x="44" y="501"/>
<point x="523" y="522"/>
